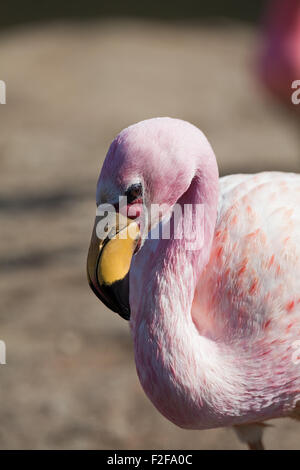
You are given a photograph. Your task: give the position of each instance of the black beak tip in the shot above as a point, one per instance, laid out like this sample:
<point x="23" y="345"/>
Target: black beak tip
<point x="125" y="313"/>
<point x="115" y="297"/>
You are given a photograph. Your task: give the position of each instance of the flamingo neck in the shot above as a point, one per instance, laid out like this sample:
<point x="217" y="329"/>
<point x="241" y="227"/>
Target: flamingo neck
<point x="193" y="380"/>
<point x="177" y="366"/>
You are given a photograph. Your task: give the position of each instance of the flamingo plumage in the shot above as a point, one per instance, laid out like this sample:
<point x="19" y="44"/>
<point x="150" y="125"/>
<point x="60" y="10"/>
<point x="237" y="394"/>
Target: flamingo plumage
<point x="214" y="328"/>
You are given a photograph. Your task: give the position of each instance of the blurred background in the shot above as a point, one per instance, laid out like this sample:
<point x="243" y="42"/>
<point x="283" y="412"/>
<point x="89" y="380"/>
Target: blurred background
<point x="76" y="74"/>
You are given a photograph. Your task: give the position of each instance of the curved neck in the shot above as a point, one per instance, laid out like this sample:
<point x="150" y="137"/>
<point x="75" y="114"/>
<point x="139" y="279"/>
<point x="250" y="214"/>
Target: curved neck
<point x="192" y="380"/>
<point x="173" y="361"/>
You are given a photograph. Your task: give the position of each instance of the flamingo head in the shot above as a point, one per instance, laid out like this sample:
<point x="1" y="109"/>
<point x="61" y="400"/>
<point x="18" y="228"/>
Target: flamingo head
<point x="147" y="168"/>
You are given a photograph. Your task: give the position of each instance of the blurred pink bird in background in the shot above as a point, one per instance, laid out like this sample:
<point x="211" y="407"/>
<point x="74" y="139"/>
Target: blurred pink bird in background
<point x="215" y="328"/>
<point x="279" y="55"/>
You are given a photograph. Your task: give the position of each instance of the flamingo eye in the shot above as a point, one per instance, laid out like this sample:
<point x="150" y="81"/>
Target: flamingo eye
<point x="134" y="192"/>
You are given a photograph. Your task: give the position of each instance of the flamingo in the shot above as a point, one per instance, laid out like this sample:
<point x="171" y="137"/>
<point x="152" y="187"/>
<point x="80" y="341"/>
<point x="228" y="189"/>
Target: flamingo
<point x="215" y="325"/>
<point x="279" y="57"/>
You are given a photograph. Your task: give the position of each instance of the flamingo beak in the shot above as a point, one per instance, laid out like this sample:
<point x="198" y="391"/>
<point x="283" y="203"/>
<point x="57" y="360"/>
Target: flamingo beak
<point x="108" y="264"/>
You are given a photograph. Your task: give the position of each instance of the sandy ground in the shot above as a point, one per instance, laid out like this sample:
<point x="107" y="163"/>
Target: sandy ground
<point x="70" y="379"/>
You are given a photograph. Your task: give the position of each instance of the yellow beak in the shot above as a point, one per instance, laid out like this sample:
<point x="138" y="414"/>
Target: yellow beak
<point x="108" y="263"/>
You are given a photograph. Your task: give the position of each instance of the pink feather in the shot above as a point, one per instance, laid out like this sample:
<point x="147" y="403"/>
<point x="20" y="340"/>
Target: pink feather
<point x="213" y="329"/>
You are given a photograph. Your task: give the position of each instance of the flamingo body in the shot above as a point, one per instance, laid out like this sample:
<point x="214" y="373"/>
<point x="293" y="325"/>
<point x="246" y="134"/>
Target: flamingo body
<point x="229" y="361"/>
<point x="214" y="328"/>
